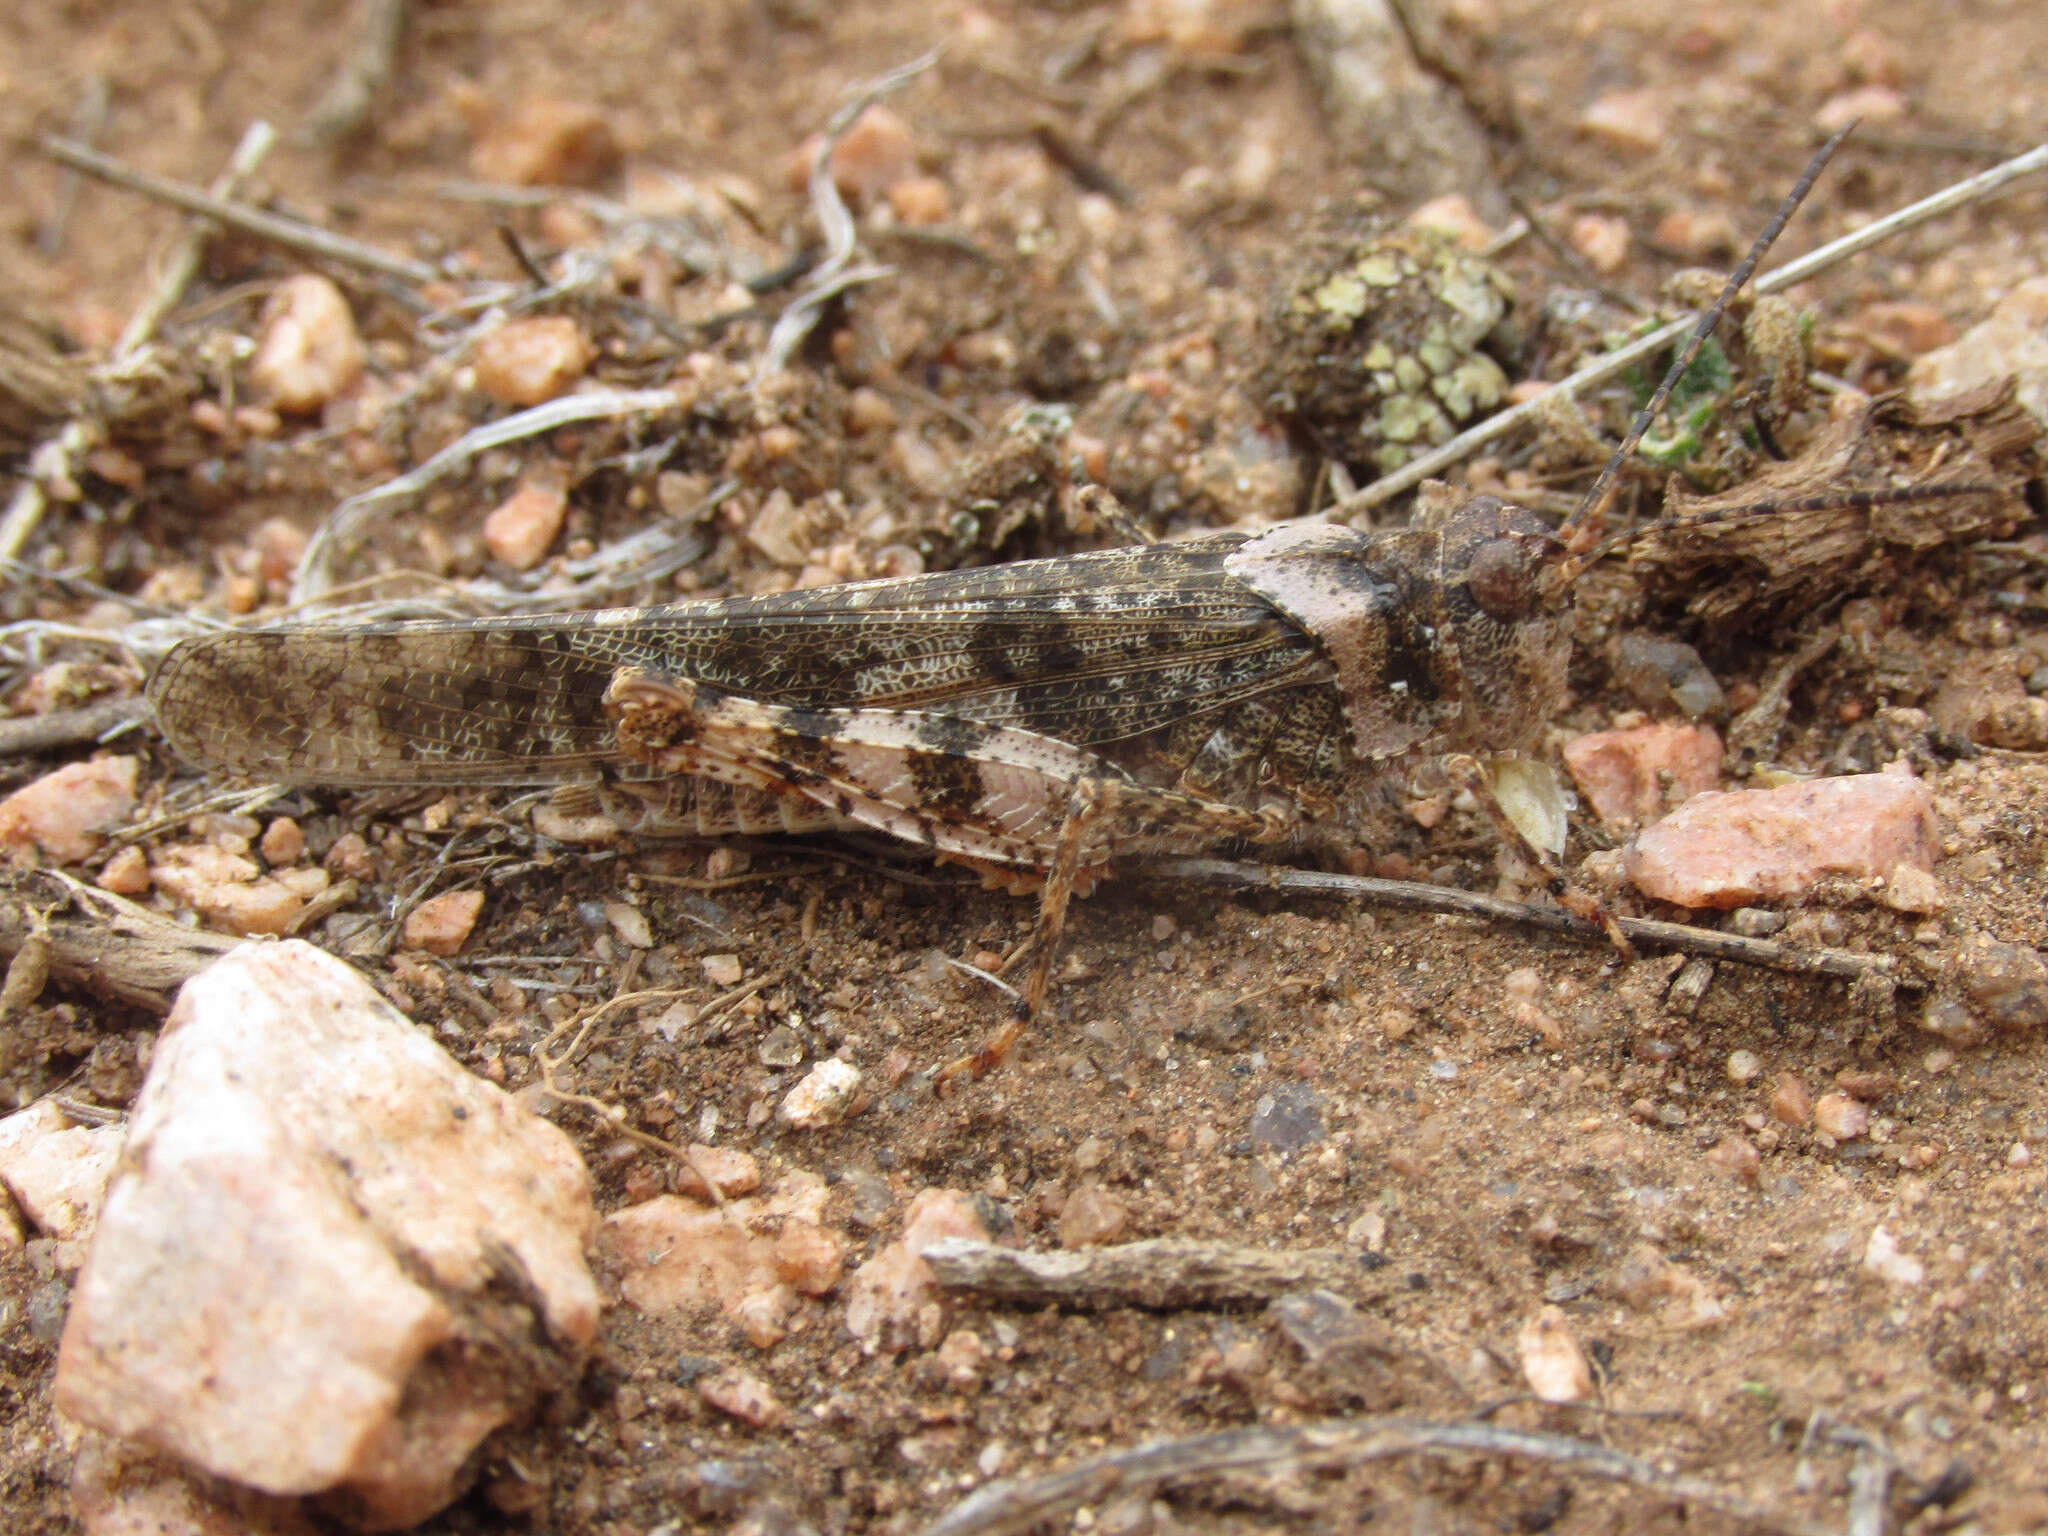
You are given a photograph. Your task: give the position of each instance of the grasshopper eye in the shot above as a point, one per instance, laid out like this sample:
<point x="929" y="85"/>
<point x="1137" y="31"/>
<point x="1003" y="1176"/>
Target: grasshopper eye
<point x="1501" y="579"/>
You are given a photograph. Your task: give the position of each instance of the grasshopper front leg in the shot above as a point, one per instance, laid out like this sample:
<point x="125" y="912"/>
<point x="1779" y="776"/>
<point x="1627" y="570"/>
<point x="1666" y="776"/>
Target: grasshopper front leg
<point x="984" y="792"/>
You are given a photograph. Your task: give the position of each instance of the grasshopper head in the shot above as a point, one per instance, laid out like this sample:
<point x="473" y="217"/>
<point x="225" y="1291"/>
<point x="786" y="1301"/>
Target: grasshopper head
<point x="1508" y="617"/>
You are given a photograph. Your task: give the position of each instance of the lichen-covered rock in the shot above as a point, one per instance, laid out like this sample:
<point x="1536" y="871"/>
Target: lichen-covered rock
<point x="1374" y="340"/>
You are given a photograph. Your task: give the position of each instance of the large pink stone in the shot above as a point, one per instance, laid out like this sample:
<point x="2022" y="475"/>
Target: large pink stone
<point x="1728" y="850"/>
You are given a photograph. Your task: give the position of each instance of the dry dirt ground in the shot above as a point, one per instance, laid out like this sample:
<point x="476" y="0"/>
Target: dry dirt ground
<point x="1281" y="1072"/>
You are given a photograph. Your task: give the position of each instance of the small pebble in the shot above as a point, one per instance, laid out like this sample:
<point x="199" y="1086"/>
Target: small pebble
<point x="529" y="362"/>
<point x="1790" y="1102"/>
<point x="890" y="1300"/>
<point x="309" y="351"/>
<point x="1602" y="239"/>
<point x="55" y="1171"/>
<point x="630" y="924"/>
<point x="64" y="815"/>
<point x="1882" y="1258"/>
<point x="1953" y="1020"/>
<point x="869" y="410"/>
<point x="229" y="891"/>
<point x="731" y="1172"/>
<point x="763" y="1316"/>
<point x="1914" y="890"/>
<point x="1289" y="1118"/>
<point x="519" y="530"/>
<point x="2011" y="342"/>
<point x="1744" y="1067"/>
<point x="441" y="925"/>
<point x="126" y="873"/>
<point x="1729" y="850"/>
<point x="921" y="201"/>
<point x="1663" y="675"/>
<point x="1553" y="1363"/>
<point x="1870" y="105"/>
<point x="1453" y="215"/>
<point x="283" y="842"/>
<point x="1092" y="1216"/>
<point x="1631" y="120"/>
<point x="810" y="1259"/>
<point x="1633" y="777"/>
<point x="1693" y="235"/>
<point x="1737" y="1157"/>
<point x="546" y="142"/>
<point x="1839" y="1116"/>
<point x="1869" y="1086"/>
<point x="824" y="1098"/>
<point x="781" y="1047"/>
<point x="722" y="970"/>
<point x="2007" y="982"/>
<point x="744" y="1396"/>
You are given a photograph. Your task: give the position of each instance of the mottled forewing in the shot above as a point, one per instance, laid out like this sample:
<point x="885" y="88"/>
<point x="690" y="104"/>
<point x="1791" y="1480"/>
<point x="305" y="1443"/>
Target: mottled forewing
<point x="1088" y="649"/>
<point x="396" y="704"/>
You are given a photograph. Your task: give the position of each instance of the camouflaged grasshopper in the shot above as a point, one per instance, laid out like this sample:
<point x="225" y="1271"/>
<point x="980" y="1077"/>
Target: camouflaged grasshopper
<point x="1043" y="717"/>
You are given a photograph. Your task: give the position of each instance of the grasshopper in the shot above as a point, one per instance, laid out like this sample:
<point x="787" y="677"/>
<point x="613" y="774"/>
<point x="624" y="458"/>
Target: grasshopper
<point x="1043" y="717"/>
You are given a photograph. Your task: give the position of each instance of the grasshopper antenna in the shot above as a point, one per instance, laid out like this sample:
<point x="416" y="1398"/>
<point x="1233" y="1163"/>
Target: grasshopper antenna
<point x="1584" y="524"/>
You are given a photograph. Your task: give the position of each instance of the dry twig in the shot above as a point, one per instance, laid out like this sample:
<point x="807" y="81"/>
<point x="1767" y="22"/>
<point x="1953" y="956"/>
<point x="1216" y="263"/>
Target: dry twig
<point x="1020" y="1503"/>
<point x="293" y="234"/>
<point x="838" y="271"/>
<point x="1412" y="896"/>
<point x="314" y="578"/>
<point x="113" y="948"/>
<point x="1160" y="1273"/>
<point x="70" y="727"/>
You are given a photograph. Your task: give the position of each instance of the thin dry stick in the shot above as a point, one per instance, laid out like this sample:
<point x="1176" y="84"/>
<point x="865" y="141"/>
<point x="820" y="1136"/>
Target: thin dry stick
<point x="69" y="727"/>
<point x="314" y="578"/>
<point x="293" y="234"/>
<point x="1775" y="281"/>
<point x="53" y="460"/>
<point x="1018" y="1504"/>
<point x="1412" y="896"/>
<point x="86" y="124"/>
<point x="249" y="156"/>
<point x="115" y="949"/>
<point x="1160" y="1273"/>
<point x="837" y="272"/>
<point x="345" y="108"/>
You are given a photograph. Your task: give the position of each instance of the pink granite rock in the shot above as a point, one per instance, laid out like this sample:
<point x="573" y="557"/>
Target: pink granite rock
<point x="1730" y="850"/>
<point x="1633" y="777"/>
<point x="62" y="815"/>
<point x="56" y="1170"/>
<point x="891" y="1300"/>
<point x="670" y="1252"/>
<point x="299" y="1277"/>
